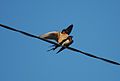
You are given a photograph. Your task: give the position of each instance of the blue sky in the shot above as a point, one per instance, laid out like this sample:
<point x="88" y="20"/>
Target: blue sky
<point x="96" y="30"/>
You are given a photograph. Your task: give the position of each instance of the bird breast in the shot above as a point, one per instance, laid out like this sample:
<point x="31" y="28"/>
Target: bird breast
<point x="66" y="43"/>
<point x="62" y="37"/>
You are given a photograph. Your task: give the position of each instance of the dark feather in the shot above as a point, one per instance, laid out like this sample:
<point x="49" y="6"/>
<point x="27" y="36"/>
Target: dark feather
<point x="61" y="49"/>
<point x="56" y="46"/>
<point x="69" y="29"/>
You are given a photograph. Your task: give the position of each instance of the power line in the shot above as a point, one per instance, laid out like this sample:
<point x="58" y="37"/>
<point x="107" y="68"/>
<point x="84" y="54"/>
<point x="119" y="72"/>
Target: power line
<point x="70" y="48"/>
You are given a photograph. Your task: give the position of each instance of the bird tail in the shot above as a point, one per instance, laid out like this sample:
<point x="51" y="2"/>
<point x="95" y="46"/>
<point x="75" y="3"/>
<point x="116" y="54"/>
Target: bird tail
<point x="61" y="49"/>
<point x="55" y="47"/>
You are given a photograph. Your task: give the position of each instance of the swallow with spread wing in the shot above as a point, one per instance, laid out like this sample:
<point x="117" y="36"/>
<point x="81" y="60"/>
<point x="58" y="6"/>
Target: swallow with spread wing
<point x="58" y="36"/>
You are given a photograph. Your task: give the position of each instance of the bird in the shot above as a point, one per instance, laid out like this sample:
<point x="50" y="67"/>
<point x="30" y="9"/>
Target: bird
<point x="57" y="35"/>
<point x="65" y="43"/>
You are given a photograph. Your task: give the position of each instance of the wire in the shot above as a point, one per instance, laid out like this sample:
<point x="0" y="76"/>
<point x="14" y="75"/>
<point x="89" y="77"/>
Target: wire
<point x="70" y="48"/>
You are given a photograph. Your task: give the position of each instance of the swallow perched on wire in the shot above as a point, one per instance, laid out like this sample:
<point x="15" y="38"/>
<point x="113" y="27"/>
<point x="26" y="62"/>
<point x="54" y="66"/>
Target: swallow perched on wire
<point x="65" y="43"/>
<point x="58" y="36"/>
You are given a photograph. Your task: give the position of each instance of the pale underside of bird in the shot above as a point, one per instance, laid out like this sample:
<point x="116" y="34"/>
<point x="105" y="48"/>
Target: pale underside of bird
<point x="51" y="42"/>
<point x="66" y="42"/>
<point x="61" y="38"/>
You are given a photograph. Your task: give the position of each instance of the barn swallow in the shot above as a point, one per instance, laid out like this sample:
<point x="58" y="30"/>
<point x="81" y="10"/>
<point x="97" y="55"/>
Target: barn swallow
<point x="65" y="43"/>
<point x="58" y="36"/>
<point x="67" y="40"/>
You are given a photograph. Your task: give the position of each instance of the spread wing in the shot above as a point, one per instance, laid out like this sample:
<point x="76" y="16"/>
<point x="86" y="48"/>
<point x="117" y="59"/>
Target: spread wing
<point x="70" y="48"/>
<point x="50" y="35"/>
<point x="27" y="34"/>
<point x="69" y="29"/>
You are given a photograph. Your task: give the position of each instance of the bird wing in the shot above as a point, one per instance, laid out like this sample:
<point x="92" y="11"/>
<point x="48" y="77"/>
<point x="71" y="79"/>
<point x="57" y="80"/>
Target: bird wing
<point x="69" y="29"/>
<point x="50" y="35"/>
